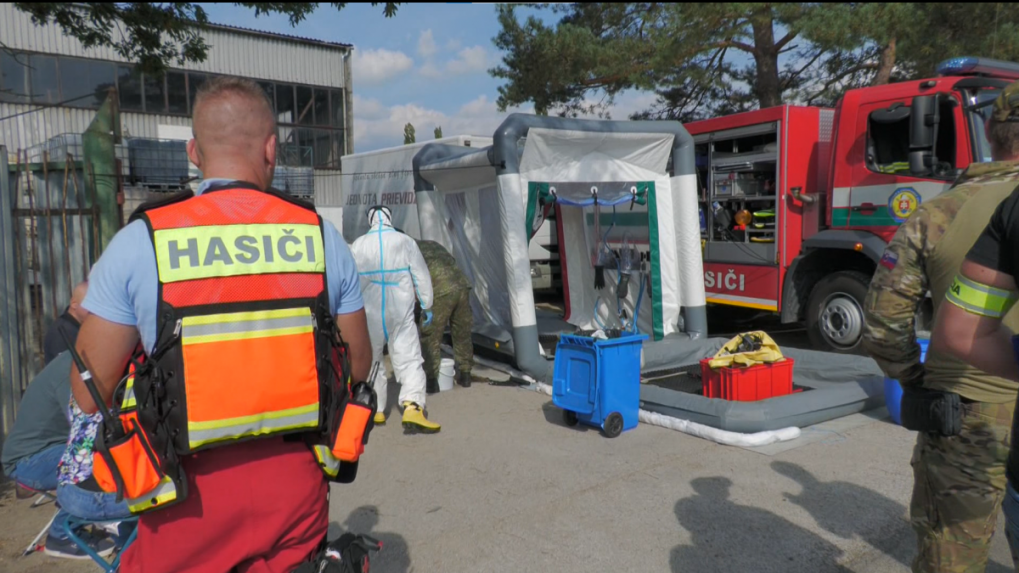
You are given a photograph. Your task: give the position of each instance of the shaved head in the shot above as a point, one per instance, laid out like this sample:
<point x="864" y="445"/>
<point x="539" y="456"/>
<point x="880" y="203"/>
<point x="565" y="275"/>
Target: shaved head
<point x="234" y="131"/>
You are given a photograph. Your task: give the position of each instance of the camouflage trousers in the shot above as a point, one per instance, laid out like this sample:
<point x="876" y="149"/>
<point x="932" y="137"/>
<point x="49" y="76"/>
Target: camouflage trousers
<point x="959" y="484"/>
<point x="455" y="309"/>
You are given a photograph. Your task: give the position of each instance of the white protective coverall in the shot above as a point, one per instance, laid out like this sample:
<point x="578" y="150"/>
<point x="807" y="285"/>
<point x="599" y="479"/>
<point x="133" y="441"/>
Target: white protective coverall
<point x="393" y="274"/>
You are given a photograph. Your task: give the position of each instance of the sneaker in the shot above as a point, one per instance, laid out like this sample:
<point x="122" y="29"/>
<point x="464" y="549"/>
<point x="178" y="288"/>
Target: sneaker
<point x="112" y="528"/>
<point x="67" y="549"/>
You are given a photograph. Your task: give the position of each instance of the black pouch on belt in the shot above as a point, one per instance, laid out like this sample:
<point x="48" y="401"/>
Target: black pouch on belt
<point x="925" y="410"/>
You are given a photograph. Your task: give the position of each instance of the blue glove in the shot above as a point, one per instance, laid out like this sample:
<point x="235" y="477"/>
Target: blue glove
<point x="428" y="318"/>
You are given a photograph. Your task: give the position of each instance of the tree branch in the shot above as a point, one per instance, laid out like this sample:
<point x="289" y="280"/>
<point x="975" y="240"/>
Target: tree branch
<point x="789" y="79"/>
<point x="788" y="38"/>
<point x="840" y="77"/>
<point x="736" y="44"/>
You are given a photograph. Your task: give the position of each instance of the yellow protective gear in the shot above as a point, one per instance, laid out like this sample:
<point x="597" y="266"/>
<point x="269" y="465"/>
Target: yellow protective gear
<point x="730" y="355"/>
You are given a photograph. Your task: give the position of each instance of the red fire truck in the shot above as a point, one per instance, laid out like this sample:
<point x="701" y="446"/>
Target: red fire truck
<point x="798" y="203"/>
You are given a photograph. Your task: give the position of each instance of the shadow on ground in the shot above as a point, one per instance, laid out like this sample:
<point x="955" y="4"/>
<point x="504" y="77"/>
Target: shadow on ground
<point x="858" y="510"/>
<point x="771" y="543"/>
<point x="554" y="415"/>
<point x="395" y="555"/>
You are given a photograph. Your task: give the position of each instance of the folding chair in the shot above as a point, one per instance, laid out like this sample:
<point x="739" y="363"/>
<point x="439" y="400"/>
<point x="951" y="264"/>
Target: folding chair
<point x="22" y="491"/>
<point x="128" y="530"/>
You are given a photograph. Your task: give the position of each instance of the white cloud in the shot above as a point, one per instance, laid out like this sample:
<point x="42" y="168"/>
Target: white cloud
<point x="370" y="109"/>
<point x="377" y="126"/>
<point x="377" y="131"/>
<point x="372" y="67"/>
<point x="431" y="71"/>
<point x="426" y="44"/>
<point x="469" y="61"/>
<point x="453" y="45"/>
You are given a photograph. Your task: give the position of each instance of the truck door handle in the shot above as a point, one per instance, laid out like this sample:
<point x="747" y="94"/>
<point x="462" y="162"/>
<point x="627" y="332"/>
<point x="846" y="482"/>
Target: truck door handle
<point x="797" y="193"/>
<point x="865" y="207"/>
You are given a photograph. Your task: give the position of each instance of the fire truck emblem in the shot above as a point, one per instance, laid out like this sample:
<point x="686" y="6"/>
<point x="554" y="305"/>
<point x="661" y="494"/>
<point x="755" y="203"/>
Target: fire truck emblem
<point x="902" y="203"/>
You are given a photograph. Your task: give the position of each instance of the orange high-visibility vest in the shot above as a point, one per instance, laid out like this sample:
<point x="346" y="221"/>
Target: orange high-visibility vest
<point x="242" y="296"/>
<point x="246" y="348"/>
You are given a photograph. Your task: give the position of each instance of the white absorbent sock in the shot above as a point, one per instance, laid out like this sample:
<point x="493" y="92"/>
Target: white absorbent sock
<point x="716" y="435"/>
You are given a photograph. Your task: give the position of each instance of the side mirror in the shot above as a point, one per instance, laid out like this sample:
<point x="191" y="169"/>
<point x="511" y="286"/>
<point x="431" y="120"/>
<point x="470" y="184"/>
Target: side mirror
<point x="923" y="132"/>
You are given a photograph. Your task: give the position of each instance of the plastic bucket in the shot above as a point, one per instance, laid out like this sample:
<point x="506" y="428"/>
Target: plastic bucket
<point x="893" y="390"/>
<point x="446" y="374"/>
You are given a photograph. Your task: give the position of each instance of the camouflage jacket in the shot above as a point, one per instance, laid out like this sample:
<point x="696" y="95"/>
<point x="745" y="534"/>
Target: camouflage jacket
<point x="447" y="278"/>
<point x="914" y="264"/>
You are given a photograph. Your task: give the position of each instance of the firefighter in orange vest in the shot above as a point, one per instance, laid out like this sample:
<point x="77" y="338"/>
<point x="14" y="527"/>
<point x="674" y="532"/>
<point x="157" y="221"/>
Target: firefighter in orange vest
<point x="242" y="298"/>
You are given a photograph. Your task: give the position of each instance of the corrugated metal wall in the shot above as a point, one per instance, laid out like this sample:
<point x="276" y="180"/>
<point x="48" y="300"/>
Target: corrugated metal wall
<point x="231" y="52"/>
<point x="41" y="124"/>
<point x="328" y="188"/>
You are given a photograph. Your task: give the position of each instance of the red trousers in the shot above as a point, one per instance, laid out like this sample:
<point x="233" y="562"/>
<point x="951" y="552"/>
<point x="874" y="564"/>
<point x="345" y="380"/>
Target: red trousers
<point x="257" y="507"/>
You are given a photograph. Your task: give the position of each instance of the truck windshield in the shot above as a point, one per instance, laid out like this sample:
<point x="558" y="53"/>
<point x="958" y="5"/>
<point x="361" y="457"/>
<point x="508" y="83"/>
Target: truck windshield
<point x="981" y="148"/>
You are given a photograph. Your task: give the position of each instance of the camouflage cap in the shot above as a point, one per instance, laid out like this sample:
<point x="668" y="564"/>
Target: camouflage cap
<point x="1006" y="107"/>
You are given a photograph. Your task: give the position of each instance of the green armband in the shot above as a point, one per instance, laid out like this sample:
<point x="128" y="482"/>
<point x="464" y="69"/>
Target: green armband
<point x="980" y="299"/>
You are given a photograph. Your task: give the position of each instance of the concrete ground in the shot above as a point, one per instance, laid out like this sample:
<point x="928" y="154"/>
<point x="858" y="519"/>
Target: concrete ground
<point x="507" y="487"/>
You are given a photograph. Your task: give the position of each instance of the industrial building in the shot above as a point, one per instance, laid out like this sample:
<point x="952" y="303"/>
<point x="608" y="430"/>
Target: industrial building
<point x="56" y="84"/>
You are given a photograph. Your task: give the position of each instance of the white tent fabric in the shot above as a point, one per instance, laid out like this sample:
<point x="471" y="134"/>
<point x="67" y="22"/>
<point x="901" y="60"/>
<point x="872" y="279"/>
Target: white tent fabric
<point x="476" y="215"/>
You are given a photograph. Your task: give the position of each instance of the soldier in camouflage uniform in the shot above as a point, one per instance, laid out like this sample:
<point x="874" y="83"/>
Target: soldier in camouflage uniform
<point x="451" y="292"/>
<point x="959" y="481"/>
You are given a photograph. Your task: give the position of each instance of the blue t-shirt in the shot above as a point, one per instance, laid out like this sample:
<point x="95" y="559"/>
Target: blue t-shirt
<point x="124" y="285"/>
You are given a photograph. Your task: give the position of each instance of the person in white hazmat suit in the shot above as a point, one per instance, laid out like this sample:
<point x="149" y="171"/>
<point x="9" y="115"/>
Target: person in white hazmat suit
<point x="394" y="277"/>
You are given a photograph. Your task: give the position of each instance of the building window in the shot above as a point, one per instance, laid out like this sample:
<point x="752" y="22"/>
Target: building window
<point x="86" y="82"/>
<point x="13" y="77"/>
<point x="45" y="84"/>
<point x="305" y="115"/>
<point x="285" y="104"/>
<point x="176" y="93"/>
<point x="195" y="81"/>
<point x="155" y="94"/>
<point x="129" y="86"/>
<point x="336" y="99"/>
<point x="321" y="107"/>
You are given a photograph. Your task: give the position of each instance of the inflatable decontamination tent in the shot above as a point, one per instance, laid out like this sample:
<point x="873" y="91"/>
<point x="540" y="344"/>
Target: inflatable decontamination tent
<point x="625" y="197"/>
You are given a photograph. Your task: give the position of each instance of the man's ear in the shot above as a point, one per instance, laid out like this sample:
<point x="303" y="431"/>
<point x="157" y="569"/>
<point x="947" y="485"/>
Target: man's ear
<point x="193" y="154"/>
<point x="270" y="150"/>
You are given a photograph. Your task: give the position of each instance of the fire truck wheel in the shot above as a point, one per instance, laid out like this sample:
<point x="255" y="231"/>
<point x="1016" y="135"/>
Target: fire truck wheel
<point x="835" y="312"/>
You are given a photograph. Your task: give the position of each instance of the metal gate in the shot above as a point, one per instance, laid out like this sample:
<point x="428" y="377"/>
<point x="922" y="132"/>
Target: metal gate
<point x="49" y="239"/>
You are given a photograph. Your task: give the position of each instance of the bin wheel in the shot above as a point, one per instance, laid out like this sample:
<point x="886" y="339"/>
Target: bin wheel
<point x="570" y="418"/>
<point x="613" y="425"/>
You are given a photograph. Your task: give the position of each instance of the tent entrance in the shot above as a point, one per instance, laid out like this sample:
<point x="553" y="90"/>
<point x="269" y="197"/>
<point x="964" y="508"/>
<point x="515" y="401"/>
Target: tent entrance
<point x="611" y="254"/>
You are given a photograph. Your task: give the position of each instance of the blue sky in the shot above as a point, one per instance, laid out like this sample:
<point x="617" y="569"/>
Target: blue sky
<point x="428" y="65"/>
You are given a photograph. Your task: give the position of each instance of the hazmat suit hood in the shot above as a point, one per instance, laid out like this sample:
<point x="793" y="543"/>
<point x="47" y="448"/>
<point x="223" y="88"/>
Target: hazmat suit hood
<point x="380" y="215"/>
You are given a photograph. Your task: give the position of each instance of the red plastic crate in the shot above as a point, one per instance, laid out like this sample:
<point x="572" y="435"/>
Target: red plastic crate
<point x="758" y="382"/>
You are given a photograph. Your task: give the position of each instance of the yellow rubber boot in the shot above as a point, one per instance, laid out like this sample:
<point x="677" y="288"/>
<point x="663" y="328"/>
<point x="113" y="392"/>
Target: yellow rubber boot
<point x="380" y="419"/>
<point x="414" y="420"/>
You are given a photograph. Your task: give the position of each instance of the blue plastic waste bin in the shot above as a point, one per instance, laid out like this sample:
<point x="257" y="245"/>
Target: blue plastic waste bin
<point x="893" y="390"/>
<point x="597" y="381"/>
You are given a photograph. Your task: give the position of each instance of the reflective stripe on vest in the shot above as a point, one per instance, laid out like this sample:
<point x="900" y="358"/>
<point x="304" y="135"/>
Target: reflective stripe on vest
<point x="129" y="402"/>
<point x="326" y="460"/>
<point x="162" y="494"/>
<point x="264" y="348"/>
